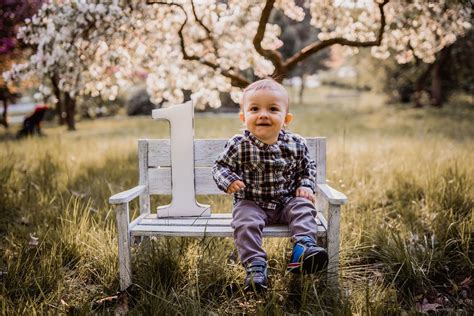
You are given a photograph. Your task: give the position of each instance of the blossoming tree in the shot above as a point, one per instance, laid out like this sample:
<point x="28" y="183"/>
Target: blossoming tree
<point x="210" y="46"/>
<point x="12" y="13"/>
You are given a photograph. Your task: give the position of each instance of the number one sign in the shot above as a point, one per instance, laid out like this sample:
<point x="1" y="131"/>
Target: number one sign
<point x="183" y="201"/>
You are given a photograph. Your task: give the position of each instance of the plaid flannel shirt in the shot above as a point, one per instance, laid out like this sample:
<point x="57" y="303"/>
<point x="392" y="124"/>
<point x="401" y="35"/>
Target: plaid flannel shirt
<point x="271" y="173"/>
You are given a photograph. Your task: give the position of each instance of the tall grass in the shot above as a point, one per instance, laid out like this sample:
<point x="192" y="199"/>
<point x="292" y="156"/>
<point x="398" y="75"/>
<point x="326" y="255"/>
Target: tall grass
<point x="406" y="234"/>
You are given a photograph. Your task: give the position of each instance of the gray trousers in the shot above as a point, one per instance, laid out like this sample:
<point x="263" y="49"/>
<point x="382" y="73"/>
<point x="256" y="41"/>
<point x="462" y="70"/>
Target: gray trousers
<point x="249" y="219"/>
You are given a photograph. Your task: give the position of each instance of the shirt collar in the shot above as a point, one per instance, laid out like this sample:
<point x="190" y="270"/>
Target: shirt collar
<point x="282" y="136"/>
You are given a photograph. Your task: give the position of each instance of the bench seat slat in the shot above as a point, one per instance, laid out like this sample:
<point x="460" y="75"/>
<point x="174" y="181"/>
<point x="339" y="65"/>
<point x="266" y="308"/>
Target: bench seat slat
<point x="151" y="219"/>
<point x="218" y="225"/>
<point x="211" y="231"/>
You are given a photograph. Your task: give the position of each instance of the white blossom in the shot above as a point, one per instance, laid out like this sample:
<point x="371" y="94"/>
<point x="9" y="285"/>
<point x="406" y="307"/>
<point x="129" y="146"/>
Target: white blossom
<point x="100" y="48"/>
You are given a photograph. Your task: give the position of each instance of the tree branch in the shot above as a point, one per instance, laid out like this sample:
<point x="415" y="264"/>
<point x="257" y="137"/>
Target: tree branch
<point x="208" y="31"/>
<point x="313" y="48"/>
<point x="236" y="79"/>
<point x="274" y="56"/>
<point x="210" y="37"/>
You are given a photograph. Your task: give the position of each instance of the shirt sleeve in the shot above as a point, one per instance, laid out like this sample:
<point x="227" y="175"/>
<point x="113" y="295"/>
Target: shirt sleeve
<point x="224" y="168"/>
<point x="306" y="171"/>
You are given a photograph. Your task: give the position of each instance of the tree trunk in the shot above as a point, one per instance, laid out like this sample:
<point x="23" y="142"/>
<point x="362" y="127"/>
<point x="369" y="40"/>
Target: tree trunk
<point x="436" y="91"/>
<point x="419" y="85"/>
<point x="70" y="111"/>
<point x="5" y="96"/>
<point x="4" y="121"/>
<point x="302" y="87"/>
<point x="60" y="104"/>
<point x="437" y="96"/>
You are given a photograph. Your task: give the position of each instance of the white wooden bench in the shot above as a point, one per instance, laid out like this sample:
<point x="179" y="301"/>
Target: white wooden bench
<point x="182" y="167"/>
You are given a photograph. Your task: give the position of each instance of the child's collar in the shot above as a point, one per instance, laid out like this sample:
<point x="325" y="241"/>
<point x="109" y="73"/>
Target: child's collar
<point x="282" y="136"/>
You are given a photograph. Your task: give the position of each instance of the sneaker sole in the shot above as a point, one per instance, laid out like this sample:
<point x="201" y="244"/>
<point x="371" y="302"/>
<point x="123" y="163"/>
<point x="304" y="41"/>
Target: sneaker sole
<point x="258" y="288"/>
<point x="315" y="262"/>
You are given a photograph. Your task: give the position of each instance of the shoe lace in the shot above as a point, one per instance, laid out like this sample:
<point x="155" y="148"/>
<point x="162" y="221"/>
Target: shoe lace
<point x="256" y="269"/>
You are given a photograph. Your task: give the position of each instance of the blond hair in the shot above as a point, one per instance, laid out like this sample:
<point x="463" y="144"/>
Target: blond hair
<point x="266" y="84"/>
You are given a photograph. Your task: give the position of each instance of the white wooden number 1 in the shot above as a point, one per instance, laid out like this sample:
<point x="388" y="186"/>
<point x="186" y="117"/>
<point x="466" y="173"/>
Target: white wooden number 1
<point x="183" y="201"/>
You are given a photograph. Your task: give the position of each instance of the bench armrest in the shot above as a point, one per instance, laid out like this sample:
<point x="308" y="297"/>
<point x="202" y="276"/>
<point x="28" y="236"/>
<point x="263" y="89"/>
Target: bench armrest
<point x="331" y="195"/>
<point x="127" y="196"/>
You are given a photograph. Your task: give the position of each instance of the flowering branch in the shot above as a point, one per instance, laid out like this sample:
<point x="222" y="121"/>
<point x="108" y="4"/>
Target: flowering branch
<point x="236" y="79"/>
<point x="282" y="67"/>
<point x="273" y="55"/>
<point x="313" y="48"/>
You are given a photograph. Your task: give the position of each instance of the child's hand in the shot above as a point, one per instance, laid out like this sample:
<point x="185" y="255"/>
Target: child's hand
<point x="305" y="192"/>
<point x="235" y="186"/>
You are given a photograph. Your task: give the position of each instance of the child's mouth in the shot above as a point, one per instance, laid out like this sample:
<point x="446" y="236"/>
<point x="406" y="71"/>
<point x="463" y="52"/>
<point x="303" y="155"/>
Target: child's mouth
<point x="264" y="124"/>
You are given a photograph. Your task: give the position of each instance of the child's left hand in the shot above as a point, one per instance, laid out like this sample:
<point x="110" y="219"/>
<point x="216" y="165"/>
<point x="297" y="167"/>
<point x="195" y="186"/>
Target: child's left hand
<point x="306" y="193"/>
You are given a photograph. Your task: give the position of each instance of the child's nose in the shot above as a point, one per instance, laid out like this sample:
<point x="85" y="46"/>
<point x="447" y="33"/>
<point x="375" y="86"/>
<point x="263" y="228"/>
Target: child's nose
<point x="263" y="114"/>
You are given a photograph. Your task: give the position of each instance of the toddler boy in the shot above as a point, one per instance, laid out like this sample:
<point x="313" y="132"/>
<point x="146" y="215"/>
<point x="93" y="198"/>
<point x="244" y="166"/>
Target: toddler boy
<point x="272" y="177"/>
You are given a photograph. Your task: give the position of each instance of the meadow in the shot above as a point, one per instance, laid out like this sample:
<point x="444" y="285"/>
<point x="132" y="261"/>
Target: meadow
<point x="406" y="233"/>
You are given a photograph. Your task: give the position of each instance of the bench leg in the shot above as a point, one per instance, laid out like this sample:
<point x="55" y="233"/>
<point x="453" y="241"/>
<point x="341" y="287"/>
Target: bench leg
<point x="333" y="245"/>
<point x="125" y="267"/>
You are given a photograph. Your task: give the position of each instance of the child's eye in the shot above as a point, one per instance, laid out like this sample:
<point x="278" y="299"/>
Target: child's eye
<point x="254" y="109"/>
<point x="274" y="109"/>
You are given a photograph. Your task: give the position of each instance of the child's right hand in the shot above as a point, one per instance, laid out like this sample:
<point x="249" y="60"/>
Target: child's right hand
<point x="235" y="186"/>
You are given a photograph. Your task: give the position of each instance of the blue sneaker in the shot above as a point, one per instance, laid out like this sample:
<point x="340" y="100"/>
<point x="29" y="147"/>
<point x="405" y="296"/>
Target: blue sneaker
<point x="307" y="257"/>
<point x="256" y="278"/>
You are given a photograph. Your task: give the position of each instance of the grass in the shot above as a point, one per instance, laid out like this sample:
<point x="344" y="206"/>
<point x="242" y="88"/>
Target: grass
<point x="406" y="234"/>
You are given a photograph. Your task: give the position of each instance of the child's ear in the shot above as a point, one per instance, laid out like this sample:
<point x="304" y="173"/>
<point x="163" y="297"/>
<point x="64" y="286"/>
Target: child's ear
<point x="288" y="118"/>
<point x="241" y="116"/>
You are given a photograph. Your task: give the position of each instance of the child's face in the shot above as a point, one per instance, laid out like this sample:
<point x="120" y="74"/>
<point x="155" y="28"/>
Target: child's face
<point x="264" y="113"/>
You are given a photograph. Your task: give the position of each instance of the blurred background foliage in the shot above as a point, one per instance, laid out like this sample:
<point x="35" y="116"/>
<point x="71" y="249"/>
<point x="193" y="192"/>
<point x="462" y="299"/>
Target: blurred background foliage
<point x="453" y="71"/>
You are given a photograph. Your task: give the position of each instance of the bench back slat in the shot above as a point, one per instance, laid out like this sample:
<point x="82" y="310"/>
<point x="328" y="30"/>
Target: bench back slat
<point x="206" y="152"/>
<point x="160" y="181"/>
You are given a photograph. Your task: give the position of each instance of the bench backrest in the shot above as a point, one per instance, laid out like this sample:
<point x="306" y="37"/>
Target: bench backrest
<point x="155" y="163"/>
